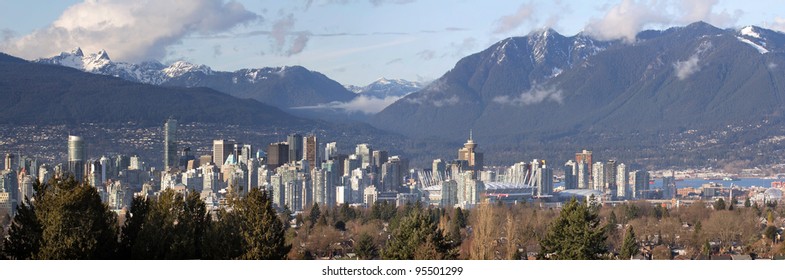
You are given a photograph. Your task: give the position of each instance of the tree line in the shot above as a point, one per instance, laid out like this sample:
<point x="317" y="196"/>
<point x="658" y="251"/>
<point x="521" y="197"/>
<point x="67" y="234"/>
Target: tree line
<point x="66" y="220"/>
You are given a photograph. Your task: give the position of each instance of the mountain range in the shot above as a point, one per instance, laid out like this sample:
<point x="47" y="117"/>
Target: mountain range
<point x="548" y="85"/>
<point x="40" y="94"/>
<point x="290" y="88"/>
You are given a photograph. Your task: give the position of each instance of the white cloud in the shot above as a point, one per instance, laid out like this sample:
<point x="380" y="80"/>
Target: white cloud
<point x="778" y="24"/>
<point x="452" y="100"/>
<point x="535" y="95"/>
<point x="525" y="13"/>
<point x="685" y="69"/>
<point x="129" y="30"/>
<point x="626" y="19"/>
<point x="363" y="104"/>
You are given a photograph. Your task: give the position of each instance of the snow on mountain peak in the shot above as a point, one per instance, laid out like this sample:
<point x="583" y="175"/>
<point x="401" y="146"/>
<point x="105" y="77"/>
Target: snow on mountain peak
<point x="178" y="68"/>
<point x="77" y="52"/>
<point x="749" y="31"/>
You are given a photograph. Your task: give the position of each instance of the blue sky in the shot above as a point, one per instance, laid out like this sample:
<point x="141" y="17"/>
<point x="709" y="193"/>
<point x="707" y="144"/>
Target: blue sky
<point x="352" y="42"/>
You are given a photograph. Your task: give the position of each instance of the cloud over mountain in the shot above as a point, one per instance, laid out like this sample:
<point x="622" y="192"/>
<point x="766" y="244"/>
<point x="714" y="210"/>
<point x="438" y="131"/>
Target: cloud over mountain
<point x="131" y="30"/>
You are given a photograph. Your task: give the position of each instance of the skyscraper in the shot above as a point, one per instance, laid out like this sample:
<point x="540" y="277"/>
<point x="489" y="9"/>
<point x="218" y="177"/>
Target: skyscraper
<point x="221" y="150"/>
<point x="76" y="157"/>
<point x="277" y="155"/>
<point x="640" y="187"/>
<point x="622" y="182"/>
<point x="469" y="154"/>
<point x="295" y="142"/>
<point x="365" y="153"/>
<point x="330" y="150"/>
<point x="570" y="175"/>
<point x="171" y="159"/>
<point x="585" y="157"/>
<point x="311" y="151"/>
<point x="10" y="162"/>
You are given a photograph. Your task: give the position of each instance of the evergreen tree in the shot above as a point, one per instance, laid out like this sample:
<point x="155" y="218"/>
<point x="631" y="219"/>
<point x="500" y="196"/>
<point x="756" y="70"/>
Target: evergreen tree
<point x="630" y="246"/>
<point x="719" y="204"/>
<point x="417" y="236"/>
<point x="576" y="234"/>
<point x="459" y="217"/>
<point x="365" y="248"/>
<point x="134" y="220"/>
<point x="313" y="217"/>
<point x="747" y="203"/>
<point x="262" y="232"/>
<point x="24" y="235"/>
<point x="75" y="223"/>
<point x="174" y="228"/>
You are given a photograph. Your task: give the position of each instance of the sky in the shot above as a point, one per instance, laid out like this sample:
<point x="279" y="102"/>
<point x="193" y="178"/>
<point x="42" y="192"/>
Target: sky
<point x="351" y="41"/>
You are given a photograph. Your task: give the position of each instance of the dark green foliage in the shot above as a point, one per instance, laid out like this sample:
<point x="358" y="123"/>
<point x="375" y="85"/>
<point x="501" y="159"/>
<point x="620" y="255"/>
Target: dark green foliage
<point x="24" y="236"/>
<point x="459" y="217"/>
<point x="174" y="228"/>
<point x="719" y="204"/>
<point x="346" y="213"/>
<point x="340" y="225"/>
<point x="417" y="236"/>
<point x="75" y="223"/>
<point x="747" y="203"/>
<point x="770" y="232"/>
<point x="630" y="246"/>
<point x="576" y="234"/>
<point x="313" y="217"/>
<point x="134" y="220"/>
<point x="263" y="234"/>
<point x="365" y="248"/>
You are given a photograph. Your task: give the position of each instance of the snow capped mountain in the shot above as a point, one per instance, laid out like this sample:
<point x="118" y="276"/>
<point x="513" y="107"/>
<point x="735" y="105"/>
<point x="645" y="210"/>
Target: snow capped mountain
<point x="384" y="87"/>
<point x="150" y="72"/>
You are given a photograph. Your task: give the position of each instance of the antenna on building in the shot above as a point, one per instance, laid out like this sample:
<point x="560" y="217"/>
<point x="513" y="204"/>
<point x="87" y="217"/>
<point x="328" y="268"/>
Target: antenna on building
<point x="470" y="135"/>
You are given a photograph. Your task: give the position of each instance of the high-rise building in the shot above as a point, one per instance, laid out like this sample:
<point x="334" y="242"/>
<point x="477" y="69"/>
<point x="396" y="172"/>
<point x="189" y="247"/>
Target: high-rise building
<point x="379" y="158"/>
<point x="10" y="163"/>
<point x="669" y="186"/>
<point x="295" y="142"/>
<point x="350" y="164"/>
<point x="438" y="167"/>
<point x="598" y="177"/>
<point x="570" y="175"/>
<point x="392" y="174"/>
<point x="585" y="157"/>
<point x="622" y="182"/>
<point x="330" y="150"/>
<point x="542" y="177"/>
<point x="171" y="159"/>
<point x="469" y="154"/>
<point x="311" y="151"/>
<point x="277" y="155"/>
<point x="365" y="153"/>
<point x="583" y="174"/>
<point x="610" y="176"/>
<point x="640" y="187"/>
<point x="221" y="150"/>
<point x="76" y="157"/>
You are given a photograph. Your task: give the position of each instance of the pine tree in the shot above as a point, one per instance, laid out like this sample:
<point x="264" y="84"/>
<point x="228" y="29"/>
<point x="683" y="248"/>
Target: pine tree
<point x="134" y="220"/>
<point x="417" y="236"/>
<point x="75" y="223"/>
<point x="24" y="235"/>
<point x="630" y="246"/>
<point x="576" y="234"/>
<point x="747" y="203"/>
<point x="263" y="234"/>
<point x="365" y="248"/>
